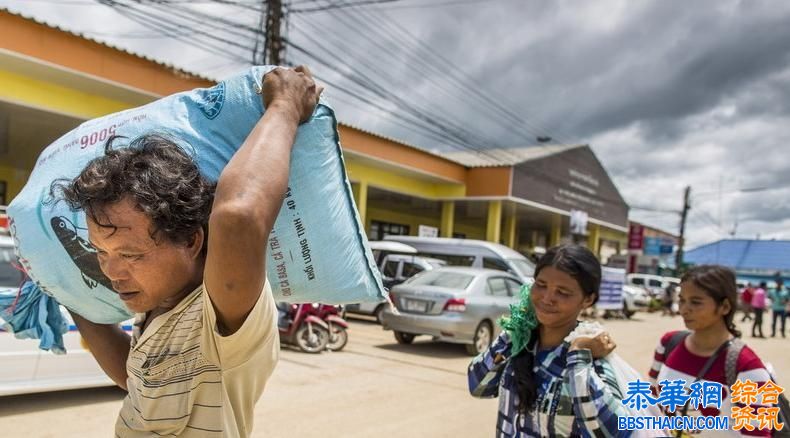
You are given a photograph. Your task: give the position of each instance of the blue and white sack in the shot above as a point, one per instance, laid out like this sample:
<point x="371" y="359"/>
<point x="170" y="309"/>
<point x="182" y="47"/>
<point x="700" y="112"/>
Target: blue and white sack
<point x="317" y="251"/>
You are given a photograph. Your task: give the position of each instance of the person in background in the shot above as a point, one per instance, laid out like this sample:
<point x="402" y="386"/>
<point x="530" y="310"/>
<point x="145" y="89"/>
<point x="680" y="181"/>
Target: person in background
<point x="746" y="302"/>
<point x="758" y="307"/>
<point x="669" y="293"/>
<point x="779" y="300"/>
<point x="708" y="298"/>
<point x="546" y="385"/>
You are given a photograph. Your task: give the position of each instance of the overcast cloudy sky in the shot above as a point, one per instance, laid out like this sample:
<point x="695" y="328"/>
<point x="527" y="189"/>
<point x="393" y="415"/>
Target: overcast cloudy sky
<point x="667" y="93"/>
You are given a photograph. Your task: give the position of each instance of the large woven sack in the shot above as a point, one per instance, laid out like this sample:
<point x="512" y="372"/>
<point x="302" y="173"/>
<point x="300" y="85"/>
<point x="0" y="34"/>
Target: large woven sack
<point x="317" y="251"/>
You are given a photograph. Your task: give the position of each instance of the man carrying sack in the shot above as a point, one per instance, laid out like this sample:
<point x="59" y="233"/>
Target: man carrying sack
<point x="188" y="257"/>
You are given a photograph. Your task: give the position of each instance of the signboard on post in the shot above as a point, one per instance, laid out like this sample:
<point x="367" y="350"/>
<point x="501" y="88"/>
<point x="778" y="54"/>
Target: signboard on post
<point x="652" y="246"/>
<point x="667" y="246"/>
<point x="426" y="231"/>
<point x="636" y="235"/>
<point x="612" y="281"/>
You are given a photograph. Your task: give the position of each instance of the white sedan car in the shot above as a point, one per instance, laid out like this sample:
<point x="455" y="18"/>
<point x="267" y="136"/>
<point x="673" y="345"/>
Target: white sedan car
<point x="27" y="369"/>
<point x="634" y="298"/>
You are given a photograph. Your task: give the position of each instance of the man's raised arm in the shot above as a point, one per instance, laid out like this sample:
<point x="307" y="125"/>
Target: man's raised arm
<point x="249" y="194"/>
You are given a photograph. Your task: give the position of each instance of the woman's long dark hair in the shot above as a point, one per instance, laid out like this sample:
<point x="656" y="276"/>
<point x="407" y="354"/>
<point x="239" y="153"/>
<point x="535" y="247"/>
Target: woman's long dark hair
<point x="719" y="283"/>
<point x="581" y="264"/>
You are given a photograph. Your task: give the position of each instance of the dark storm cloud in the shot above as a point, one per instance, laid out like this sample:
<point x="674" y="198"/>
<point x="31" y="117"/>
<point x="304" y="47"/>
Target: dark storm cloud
<point x="666" y="61"/>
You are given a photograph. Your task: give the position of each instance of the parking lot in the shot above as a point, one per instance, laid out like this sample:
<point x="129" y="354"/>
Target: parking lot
<point x="374" y="387"/>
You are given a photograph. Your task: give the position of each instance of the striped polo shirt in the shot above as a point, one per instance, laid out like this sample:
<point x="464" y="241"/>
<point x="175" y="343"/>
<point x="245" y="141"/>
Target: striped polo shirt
<point x="187" y="380"/>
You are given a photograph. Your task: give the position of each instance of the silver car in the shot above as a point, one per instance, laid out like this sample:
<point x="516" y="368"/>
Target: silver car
<point x="452" y="304"/>
<point x="395" y="268"/>
<point x="634" y="298"/>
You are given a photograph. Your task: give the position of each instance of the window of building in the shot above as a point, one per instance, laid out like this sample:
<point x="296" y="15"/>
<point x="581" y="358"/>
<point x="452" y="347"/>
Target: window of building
<point x="378" y="230"/>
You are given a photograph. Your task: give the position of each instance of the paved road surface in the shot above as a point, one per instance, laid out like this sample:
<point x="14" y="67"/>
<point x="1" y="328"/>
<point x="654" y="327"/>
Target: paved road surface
<point x="374" y="387"/>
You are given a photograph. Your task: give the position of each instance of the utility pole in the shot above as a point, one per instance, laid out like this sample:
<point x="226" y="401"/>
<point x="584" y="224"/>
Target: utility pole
<point x="686" y="207"/>
<point x="269" y="47"/>
<point x="274" y="51"/>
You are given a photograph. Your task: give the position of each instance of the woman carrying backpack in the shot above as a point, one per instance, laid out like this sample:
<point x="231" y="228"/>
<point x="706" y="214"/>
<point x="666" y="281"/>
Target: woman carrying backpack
<point x="711" y="349"/>
<point x="550" y="384"/>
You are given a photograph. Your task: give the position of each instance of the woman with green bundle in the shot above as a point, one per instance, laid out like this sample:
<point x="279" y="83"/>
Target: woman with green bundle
<point x="546" y="366"/>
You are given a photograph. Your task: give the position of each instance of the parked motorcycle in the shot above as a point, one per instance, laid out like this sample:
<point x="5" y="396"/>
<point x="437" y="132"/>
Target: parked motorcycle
<point x="301" y="325"/>
<point x="338" y="327"/>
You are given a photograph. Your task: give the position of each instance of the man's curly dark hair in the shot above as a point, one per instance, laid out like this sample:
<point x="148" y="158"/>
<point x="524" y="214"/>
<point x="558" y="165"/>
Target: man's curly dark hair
<point x="159" y="178"/>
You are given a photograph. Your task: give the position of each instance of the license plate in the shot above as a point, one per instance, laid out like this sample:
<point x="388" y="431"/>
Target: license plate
<point x="416" y="306"/>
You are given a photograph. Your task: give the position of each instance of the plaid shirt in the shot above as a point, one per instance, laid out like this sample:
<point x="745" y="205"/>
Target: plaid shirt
<point x="577" y="396"/>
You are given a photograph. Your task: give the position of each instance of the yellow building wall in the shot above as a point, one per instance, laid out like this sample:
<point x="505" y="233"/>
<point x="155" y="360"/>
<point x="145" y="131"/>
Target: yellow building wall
<point x="15" y="179"/>
<point x="31" y="92"/>
<point x="46" y="96"/>
<point x="401" y="218"/>
<point x="614" y="235"/>
<point x="390" y="180"/>
<point x="471" y="231"/>
<point x="414" y="221"/>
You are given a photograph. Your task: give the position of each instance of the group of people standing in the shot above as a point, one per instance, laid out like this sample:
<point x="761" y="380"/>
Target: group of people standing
<point x="554" y="375"/>
<point x="755" y="301"/>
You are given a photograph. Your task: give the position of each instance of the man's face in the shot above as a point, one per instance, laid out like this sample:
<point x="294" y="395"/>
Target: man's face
<point x="146" y="273"/>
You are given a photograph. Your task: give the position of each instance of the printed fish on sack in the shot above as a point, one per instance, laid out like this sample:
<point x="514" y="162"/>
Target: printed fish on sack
<point x="81" y="252"/>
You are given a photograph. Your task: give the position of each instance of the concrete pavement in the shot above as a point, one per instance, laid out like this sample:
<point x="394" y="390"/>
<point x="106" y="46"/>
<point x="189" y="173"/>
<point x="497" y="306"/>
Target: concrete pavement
<point x="374" y="387"/>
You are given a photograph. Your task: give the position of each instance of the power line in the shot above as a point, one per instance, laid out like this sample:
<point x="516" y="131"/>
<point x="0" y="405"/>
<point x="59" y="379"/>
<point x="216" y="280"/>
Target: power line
<point x="655" y="210"/>
<point x="435" y="5"/>
<point x="361" y="79"/>
<point x="743" y="190"/>
<point x="340" y="6"/>
<point x="370" y="85"/>
<point x="545" y="176"/>
<point x="170" y="28"/>
<point x="421" y="62"/>
<point x="349" y="52"/>
<point x="463" y="81"/>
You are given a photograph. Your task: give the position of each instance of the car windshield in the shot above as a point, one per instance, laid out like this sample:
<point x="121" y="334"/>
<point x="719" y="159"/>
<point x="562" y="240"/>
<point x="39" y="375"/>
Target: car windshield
<point x="524" y="268"/>
<point x="9" y="275"/>
<point x="454" y="280"/>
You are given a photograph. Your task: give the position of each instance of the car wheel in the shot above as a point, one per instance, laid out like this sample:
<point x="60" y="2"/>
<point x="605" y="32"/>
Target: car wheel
<point x="484" y="335"/>
<point x="404" y="338"/>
